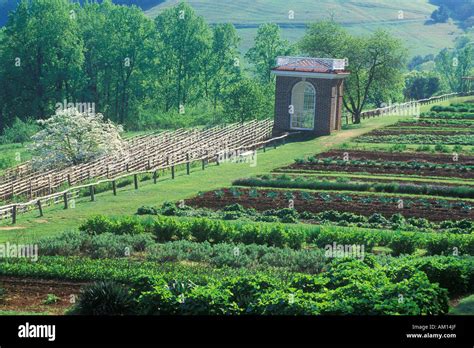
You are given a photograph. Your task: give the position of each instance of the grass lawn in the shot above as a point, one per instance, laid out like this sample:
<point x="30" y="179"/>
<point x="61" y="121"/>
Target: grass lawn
<point x="464" y="307"/>
<point x="12" y="155"/>
<point x="128" y="200"/>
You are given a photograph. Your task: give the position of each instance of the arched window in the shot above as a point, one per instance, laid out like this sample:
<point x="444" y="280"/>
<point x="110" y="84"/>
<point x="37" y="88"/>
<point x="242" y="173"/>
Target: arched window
<point x="303" y="105"/>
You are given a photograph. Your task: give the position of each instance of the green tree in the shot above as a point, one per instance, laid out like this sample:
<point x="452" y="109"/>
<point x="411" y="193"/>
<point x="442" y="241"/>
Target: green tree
<point x="440" y="15"/>
<point x="119" y="48"/>
<point x="41" y="58"/>
<point x="245" y="100"/>
<point x="375" y="62"/>
<point x="420" y="85"/>
<point x="268" y="45"/>
<point x="223" y="66"/>
<point x="453" y="65"/>
<point x="185" y="38"/>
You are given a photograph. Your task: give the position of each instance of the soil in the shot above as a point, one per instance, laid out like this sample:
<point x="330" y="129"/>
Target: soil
<point x="389" y="156"/>
<point x="27" y="295"/>
<point x="429" y="209"/>
<point x="399" y="156"/>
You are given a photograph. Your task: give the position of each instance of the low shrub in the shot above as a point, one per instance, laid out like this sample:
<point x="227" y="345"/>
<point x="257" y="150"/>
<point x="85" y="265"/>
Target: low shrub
<point x="102" y="245"/>
<point x="104" y="298"/>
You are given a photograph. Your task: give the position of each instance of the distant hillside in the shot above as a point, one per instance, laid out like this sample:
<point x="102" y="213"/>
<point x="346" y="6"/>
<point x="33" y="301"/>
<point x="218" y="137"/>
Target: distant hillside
<point x="359" y="16"/>
<point x="407" y="19"/>
<point x="8" y="5"/>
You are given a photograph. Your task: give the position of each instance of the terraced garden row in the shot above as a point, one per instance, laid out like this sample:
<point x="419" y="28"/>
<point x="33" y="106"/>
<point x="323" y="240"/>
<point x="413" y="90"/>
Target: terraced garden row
<point x="364" y="204"/>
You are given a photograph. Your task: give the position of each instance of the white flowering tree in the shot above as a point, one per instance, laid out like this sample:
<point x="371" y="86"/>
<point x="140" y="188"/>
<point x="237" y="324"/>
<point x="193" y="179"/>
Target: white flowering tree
<point x="71" y="137"/>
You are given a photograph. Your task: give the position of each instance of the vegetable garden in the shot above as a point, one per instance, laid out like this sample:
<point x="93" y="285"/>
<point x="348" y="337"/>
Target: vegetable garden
<point x="346" y="231"/>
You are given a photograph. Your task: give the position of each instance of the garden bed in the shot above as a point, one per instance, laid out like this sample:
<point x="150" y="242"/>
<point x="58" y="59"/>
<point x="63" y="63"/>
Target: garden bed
<point x="263" y="199"/>
<point x="29" y="295"/>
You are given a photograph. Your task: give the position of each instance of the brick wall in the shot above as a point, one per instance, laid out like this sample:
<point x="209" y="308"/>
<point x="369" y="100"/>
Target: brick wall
<point x="323" y="87"/>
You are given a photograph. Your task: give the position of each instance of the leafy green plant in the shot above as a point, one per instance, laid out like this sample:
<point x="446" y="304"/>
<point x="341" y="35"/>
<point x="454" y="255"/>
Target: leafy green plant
<point x="104" y="298"/>
<point x="51" y="299"/>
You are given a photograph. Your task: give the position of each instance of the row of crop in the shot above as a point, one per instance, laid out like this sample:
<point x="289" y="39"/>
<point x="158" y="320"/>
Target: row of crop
<point x="383" y="164"/>
<point x="437" y="131"/>
<point x="454" y="107"/>
<point x="417" y="139"/>
<point x="331" y="217"/>
<point x="278" y="235"/>
<point x="348" y="287"/>
<point x="447" y="115"/>
<point x="252" y="256"/>
<point x="342" y="197"/>
<point x="394" y="187"/>
<point x="435" y="121"/>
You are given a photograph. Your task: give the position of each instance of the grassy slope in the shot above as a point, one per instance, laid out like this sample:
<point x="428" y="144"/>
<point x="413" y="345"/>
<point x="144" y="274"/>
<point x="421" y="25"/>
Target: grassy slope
<point x="128" y="200"/>
<point x="359" y="16"/>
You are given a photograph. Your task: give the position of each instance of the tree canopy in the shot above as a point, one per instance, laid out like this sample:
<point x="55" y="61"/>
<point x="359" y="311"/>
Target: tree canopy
<point x="375" y="62"/>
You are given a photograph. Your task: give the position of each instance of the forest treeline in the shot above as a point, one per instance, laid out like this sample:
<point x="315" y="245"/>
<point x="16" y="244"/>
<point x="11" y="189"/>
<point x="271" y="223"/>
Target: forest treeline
<point x="9" y="5"/>
<point x="178" y="71"/>
<point x="127" y="65"/>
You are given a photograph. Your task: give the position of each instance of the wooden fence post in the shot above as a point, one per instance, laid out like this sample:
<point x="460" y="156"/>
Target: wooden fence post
<point x="172" y="172"/>
<point x="217" y="159"/>
<point x="114" y="187"/>
<point x="69" y="180"/>
<point x="91" y="190"/>
<point x="65" y="200"/>
<point x="155" y="176"/>
<point x="135" y="181"/>
<point x="40" y="208"/>
<point x="14" y="214"/>
<point x="49" y="185"/>
<point x="203" y="164"/>
<point x="188" y="169"/>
